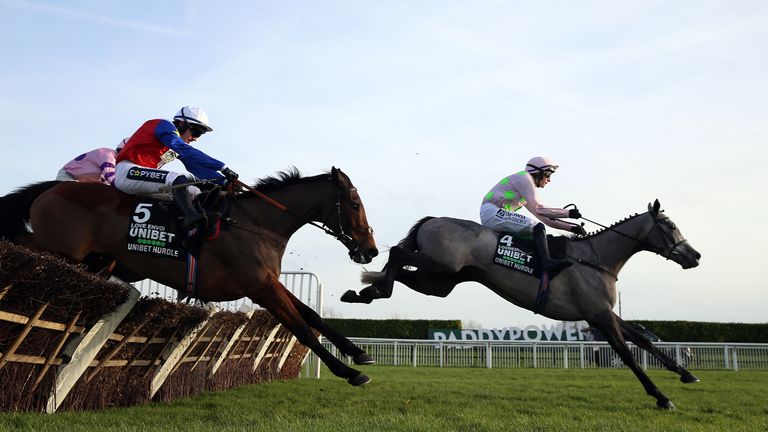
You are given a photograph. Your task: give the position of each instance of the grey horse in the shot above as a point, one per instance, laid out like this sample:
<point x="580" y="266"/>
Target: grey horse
<point x="439" y="253"/>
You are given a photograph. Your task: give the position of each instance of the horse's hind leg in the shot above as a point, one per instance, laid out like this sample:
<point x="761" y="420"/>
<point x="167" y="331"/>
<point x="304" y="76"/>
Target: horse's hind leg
<point x="384" y="281"/>
<point x="640" y="340"/>
<point x="393" y="271"/>
<point x="275" y="298"/>
<point x="340" y="341"/>
<point x="609" y="326"/>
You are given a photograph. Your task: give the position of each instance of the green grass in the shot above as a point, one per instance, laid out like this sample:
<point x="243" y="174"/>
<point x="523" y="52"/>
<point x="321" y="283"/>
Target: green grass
<point x="448" y="399"/>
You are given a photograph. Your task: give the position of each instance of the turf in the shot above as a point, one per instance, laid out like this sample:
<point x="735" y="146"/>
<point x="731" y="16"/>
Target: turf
<point x="445" y="399"/>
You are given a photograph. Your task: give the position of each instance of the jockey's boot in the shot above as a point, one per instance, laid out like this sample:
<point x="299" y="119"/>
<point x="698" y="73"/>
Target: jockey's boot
<point x="192" y="217"/>
<point x="547" y="262"/>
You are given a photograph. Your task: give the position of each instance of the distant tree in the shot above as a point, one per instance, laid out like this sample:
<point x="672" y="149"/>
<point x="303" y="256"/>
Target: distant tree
<point x="471" y="324"/>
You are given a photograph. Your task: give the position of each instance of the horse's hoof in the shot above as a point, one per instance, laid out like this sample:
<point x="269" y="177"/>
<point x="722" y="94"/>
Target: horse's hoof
<point x="363" y="359"/>
<point x="666" y="405"/>
<point x="350" y="297"/>
<point x="359" y="379"/>
<point x="688" y="378"/>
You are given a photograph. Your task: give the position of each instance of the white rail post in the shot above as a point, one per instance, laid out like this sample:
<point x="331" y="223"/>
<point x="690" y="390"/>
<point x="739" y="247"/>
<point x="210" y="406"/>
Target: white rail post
<point x="394" y="361"/>
<point x="441" y="354"/>
<point x="414" y="353"/>
<point x="565" y="357"/>
<point x="488" y="356"/>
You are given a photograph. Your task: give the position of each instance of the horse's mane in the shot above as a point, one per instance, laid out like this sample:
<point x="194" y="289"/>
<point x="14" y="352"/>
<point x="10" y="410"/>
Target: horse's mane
<point x="602" y="230"/>
<point x="289" y="177"/>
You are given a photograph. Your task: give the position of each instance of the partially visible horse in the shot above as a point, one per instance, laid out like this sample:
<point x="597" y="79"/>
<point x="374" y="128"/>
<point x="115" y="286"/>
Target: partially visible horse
<point x="77" y="220"/>
<point x="439" y="253"/>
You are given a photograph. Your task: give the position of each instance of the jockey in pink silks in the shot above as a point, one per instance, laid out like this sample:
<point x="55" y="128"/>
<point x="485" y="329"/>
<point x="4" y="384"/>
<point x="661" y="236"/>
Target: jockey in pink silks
<point x="97" y="166"/>
<point x="499" y="209"/>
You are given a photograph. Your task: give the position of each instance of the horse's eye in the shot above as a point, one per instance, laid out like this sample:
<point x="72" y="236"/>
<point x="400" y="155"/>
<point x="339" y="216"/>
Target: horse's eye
<point x="354" y="205"/>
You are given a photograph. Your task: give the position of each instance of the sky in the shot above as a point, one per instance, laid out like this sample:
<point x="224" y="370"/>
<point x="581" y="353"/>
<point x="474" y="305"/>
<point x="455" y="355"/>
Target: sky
<point x="426" y="105"/>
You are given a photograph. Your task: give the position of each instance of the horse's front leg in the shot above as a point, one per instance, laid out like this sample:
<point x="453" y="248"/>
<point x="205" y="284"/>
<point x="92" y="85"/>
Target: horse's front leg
<point x="610" y="328"/>
<point x="340" y="341"/>
<point x="640" y="340"/>
<point x="275" y="298"/>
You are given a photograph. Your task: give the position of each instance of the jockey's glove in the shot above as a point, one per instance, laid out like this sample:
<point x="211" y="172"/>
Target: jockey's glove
<point x="574" y="213"/>
<point x="578" y="230"/>
<point x="229" y="174"/>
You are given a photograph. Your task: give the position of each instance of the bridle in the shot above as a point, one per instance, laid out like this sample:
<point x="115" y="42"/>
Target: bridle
<point x="663" y="251"/>
<point x="659" y="250"/>
<point x="345" y="239"/>
<point x="340" y="235"/>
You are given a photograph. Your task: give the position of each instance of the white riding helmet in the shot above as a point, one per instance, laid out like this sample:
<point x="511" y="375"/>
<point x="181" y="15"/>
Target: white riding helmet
<point x="195" y="115"/>
<point x="122" y="143"/>
<point x="541" y="164"/>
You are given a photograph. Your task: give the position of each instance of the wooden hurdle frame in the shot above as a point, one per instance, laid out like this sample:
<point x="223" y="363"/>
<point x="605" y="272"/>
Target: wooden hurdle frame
<point x="80" y="354"/>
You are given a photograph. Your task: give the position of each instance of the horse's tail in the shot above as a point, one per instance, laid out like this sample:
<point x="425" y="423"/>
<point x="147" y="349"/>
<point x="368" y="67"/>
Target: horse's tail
<point x="371" y="277"/>
<point x="409" y="242"/>
<point x="14" y="208"/>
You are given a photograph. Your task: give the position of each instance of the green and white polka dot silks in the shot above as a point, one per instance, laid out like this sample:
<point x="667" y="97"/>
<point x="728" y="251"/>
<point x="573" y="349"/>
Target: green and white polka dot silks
<point x="518" y="190"/>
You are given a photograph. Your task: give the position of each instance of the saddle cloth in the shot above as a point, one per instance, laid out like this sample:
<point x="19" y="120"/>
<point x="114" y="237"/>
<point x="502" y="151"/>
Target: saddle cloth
<point x="521" y="254"/>
<point x="155" y="226"/>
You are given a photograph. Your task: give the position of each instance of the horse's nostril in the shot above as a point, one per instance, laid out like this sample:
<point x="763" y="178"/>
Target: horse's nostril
<point x="373" y="252"/>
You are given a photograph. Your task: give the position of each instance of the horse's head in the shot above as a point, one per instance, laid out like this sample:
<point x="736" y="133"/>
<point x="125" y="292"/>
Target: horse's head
<point x="351" y="226"/>
<point x="666" y="240"/>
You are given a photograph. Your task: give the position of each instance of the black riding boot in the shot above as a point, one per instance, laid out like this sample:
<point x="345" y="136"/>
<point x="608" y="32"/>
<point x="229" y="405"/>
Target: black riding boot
<point x="547" y="263"/>
<point x="192" y="217"/>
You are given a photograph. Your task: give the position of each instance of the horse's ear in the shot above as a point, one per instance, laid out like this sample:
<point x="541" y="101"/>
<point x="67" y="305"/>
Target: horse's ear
<point x="335" y="174"/>
<point x="655" y="207"/>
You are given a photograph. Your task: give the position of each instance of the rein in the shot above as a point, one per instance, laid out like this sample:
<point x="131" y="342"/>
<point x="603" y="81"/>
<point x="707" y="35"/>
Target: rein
<point x="655" y="249"/>
<point x="342" y="237"/>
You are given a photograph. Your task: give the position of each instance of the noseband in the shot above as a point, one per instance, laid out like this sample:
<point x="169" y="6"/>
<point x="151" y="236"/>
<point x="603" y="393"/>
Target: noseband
<point x="345" y="239"/>
<point x="659" y="250"/>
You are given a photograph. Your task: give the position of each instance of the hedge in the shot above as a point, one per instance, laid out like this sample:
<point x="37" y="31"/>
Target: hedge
<point x="695" y="331"/>
<point x="671" y="331"/>
<point x="389" y="328"/>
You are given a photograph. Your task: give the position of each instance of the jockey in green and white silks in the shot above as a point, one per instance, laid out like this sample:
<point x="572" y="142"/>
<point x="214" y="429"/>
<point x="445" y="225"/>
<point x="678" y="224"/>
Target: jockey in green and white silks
<point x="500" y="205"/>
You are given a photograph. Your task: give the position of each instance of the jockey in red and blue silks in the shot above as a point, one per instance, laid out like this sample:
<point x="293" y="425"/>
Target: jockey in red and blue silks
<point x="158" y="142"/>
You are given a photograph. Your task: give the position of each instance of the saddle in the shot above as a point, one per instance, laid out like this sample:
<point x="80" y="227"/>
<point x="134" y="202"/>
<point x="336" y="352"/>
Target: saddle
<point x="211" y="205"/>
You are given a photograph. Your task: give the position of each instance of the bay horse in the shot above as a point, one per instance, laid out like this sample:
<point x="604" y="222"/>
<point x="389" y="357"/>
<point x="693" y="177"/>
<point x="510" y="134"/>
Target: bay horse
<point x="439" y="253"/>
<point x="76" y="220"/>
